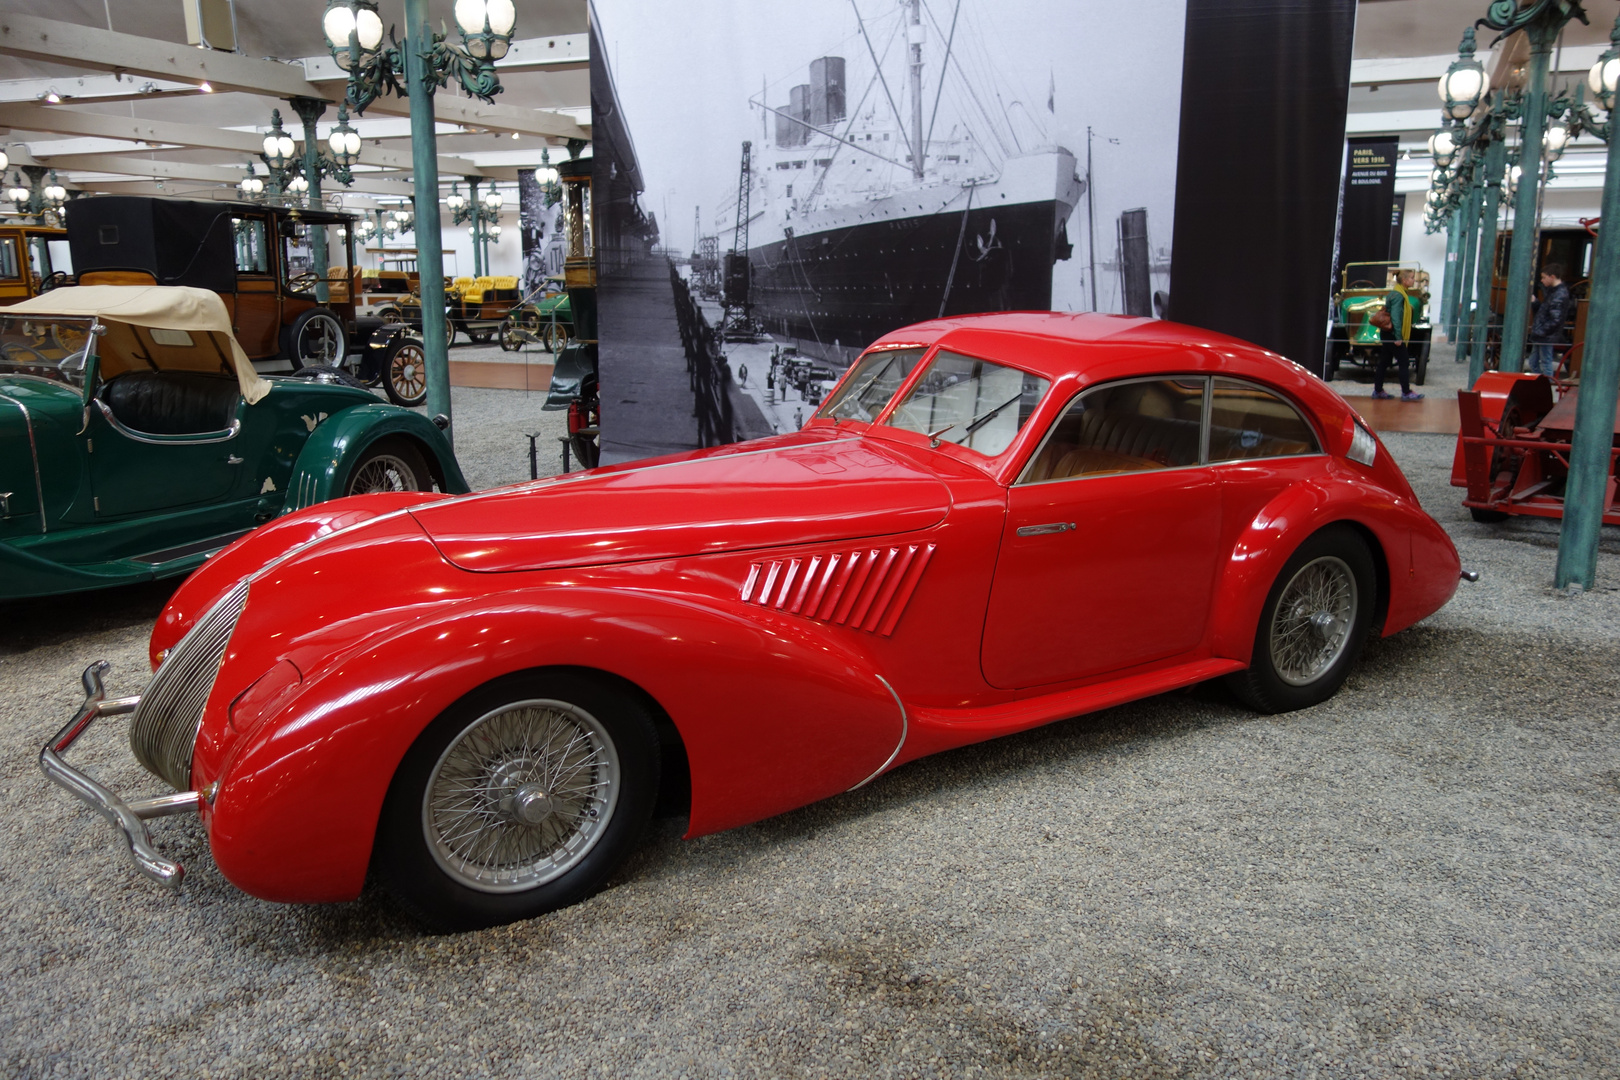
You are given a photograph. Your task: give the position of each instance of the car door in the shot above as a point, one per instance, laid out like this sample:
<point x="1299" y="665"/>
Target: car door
<point x="1108" y="557"/>
<point x="1259" y="445"/>
<point x="256" y="305"/>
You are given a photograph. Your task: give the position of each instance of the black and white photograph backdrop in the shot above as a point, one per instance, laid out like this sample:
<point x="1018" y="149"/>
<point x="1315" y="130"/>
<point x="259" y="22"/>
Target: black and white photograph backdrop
<point x="855" y="166"/>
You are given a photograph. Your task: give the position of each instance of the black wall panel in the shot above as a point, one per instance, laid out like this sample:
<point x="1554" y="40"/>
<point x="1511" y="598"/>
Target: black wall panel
<point x="1264" y="89"/>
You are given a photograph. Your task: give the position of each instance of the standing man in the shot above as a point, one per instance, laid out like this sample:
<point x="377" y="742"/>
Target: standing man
<point x="1547" y="331"/>
<point x="1399" y="305"/>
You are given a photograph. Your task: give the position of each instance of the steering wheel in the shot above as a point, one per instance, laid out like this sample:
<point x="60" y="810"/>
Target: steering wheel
<point x="54" y="280"/>
<point x="11" y="348"/>
<point x="303" y="282"/>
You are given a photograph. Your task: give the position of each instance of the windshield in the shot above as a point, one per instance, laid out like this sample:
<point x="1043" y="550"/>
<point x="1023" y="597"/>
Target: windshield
<point x="969" y="402"/>
<point x="51" y="347"/>
<point x="870" y="384"/>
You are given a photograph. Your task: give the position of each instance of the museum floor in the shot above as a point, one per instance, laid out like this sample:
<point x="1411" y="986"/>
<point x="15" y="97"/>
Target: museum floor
<point x="1416" y="878"/>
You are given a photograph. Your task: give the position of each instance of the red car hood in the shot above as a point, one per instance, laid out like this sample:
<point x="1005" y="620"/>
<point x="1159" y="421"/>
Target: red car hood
<point x="800" y="490"/>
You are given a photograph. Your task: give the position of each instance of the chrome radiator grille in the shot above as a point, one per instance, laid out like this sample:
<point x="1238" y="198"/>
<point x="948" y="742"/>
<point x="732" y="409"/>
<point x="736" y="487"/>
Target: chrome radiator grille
<point x="163" y="730"/>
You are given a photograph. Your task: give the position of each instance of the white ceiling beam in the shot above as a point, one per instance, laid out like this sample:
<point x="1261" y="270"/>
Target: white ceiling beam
<point x="55" y="119"/>
<point x="104" y="50"/>
<point x="95" y="88"/>
<point x="1386" y="71"/>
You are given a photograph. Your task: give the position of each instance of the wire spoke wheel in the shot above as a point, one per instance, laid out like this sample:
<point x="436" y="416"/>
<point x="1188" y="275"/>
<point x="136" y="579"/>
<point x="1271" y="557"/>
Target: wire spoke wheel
<point x="383" y="472"/>
<point x="1313" y="620"/>
<point x="521" y="796"/>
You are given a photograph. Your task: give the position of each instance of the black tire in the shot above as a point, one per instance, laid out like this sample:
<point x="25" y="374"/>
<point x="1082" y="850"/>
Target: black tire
<point x="508" y="336"/>
<point x="480" y="337"/>
<point x="1486" y="517"/>
<point x="316" y="338"/>
<point x="404" y="371"/>
<point x="446" y="881"/>
<point x="1336" y="556"/>
<point x="554" y="337"/>
<point x="388" y="465"/>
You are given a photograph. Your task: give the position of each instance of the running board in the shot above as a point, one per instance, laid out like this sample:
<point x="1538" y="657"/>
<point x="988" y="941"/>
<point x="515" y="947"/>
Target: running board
<point x="197" y="547"/>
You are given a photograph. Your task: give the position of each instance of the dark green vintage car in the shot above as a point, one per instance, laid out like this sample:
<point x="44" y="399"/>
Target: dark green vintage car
<point x="136" y="439"/>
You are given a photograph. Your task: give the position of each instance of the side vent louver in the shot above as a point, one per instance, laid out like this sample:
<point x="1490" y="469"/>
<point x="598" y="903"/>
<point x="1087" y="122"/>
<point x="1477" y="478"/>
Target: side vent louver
<point x="867" y="588"/>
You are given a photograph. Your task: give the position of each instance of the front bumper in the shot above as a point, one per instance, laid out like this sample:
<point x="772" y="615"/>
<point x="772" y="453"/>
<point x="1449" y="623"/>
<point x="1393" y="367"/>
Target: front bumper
<point x="128" y="817"/>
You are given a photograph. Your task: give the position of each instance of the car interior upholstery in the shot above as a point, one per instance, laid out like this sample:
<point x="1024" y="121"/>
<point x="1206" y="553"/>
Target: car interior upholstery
<point x="172" y="402"/>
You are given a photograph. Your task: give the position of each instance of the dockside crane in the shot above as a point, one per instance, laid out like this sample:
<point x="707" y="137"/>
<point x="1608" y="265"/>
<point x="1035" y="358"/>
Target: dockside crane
<point x="737" y="323"/>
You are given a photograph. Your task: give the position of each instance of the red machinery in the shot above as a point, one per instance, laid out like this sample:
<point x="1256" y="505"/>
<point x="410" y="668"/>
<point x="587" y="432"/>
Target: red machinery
<point x="1513" y="448"/>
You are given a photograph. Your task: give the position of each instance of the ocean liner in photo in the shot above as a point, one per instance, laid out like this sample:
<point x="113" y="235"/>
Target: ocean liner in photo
<point x="930" y="193"/>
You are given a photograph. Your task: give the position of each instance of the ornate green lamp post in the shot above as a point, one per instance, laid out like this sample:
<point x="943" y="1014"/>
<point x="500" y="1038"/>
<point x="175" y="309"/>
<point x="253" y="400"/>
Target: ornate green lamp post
<point x="414" y="68"/>
<point x="1590" y="460"/>
<point x="1541" y="21"/>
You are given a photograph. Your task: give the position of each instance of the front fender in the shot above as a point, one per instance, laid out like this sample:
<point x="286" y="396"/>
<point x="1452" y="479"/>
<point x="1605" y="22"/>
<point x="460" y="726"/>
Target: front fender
<point x="1420" y="562"/>
<point x="263" y="546"/>
<point x="335" y="446"/>
<point x="773" y="713"/>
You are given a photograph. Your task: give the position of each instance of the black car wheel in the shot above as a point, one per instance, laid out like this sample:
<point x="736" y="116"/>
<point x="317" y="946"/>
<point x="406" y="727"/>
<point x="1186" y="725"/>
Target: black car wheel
<point x="1313" y="623"/>
<point x="389" y="465"/>
<point x="521" y="798"/>
<point x="316" y="337"/>
<point x="404" y="371"/>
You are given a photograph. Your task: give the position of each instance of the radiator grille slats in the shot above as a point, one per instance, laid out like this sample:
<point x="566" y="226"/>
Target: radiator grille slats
<point x="163" y="728"/>
<point x="867" y="588"/>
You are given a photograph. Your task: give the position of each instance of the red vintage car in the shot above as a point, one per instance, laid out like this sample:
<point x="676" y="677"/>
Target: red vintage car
<point x="992" y="523"/>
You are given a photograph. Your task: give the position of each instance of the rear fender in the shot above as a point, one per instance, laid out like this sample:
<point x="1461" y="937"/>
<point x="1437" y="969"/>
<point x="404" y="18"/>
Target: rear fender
<point x="333" y="448"/>
<point x="1276" y="533"/>
<point x="773" y="713"/>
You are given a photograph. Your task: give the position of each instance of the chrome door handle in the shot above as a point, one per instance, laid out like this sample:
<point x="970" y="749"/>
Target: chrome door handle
<point x="1042" y="530"/>
<point x="233" y="460"/>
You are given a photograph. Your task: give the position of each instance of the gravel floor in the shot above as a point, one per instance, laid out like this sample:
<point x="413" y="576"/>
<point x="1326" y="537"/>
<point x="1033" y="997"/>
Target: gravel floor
<point x="1416" y="878"/>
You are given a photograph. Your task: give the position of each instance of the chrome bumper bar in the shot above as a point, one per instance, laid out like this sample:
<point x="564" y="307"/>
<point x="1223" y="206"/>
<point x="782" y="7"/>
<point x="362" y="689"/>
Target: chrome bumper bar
<point x="127" y="817"/>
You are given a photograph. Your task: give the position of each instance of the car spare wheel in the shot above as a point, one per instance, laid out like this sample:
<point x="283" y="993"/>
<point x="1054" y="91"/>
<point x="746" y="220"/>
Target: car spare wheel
<point x="405" y="371"/>
<point x="521" y="798"/>
<point x="389" y="465"/>
<point x="316" y="337"/>
<point x="1313" y="624"/>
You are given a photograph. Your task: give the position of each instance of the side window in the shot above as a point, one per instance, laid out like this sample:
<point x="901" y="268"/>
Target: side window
<point x="1124" y="427"/>
<point x="251" y="255"/>
<point x="1246" y="421"/>
<point x="10" y="264"/>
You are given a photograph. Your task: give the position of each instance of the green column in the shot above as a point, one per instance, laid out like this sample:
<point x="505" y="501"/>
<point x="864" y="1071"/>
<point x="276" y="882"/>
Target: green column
<point x="1485" y="262"/>
<point x="1589" y="467"/>
<point x="1466" y="221"/>
<point x="1445" y="313"/>
<point x="425" y="173"/>
<point x="472" y="203"/>
<point x="309" y="110"/>
<point x="1521" y="260"/>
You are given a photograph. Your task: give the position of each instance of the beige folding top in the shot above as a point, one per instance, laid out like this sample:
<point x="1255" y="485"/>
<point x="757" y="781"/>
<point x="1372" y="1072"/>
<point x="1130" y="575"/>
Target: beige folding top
<point x="153" y="307"/>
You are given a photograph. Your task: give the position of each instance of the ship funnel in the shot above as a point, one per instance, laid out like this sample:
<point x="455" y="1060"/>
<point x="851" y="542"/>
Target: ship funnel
<point x="826" y="90"/>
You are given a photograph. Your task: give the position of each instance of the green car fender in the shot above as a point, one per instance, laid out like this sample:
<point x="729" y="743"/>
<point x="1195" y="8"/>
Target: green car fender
<point x="338" y="444"/>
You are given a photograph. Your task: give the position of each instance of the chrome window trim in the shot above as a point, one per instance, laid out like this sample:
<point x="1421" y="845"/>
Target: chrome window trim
<point x="33" y="450"/>
<point x="199" y="439"/>
<point x="1203" y="430"/>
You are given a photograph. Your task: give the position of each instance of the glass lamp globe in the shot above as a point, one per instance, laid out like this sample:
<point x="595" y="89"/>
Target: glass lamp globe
<point x="1462" y="87"/>
<point x="278" y="149"/>
<point x="4" y="161"/>
<point x="345" y="144"/>
<point x="494" y="232"/>
<point x="456" y="201"/>
<point x="494" y="200"/>
<point x="472" y="231"/>
<point x="298" y="185"/>
<point x="1555" y="139"/>
<point x="350" y="26"/>
<point x="18" y="194"/>
<point x="55" y="194"/>
<point x="1443" y="145"/>
<point x="1604" y="78"/>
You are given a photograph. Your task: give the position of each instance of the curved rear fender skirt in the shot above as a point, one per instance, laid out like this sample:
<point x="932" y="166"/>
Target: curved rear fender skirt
<point x="263" y="546"/>
<point x="332" y="448"/>
<point x="774" y="714"/>
<point x="1299" y="511"/>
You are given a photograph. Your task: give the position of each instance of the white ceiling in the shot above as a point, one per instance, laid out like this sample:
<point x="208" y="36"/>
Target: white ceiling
<point x="278" y="30"/>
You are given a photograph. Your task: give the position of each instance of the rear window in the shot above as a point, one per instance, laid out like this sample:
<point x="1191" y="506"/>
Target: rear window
<point x="970" y="402"/>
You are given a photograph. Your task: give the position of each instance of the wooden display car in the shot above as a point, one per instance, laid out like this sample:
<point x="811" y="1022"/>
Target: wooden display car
<point x="992" y="523"/>
<point x="258" y="258"/>
<point x="136" y="439"/>
<point x="1354" y="340"/>
<point x="33" y="259"/>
